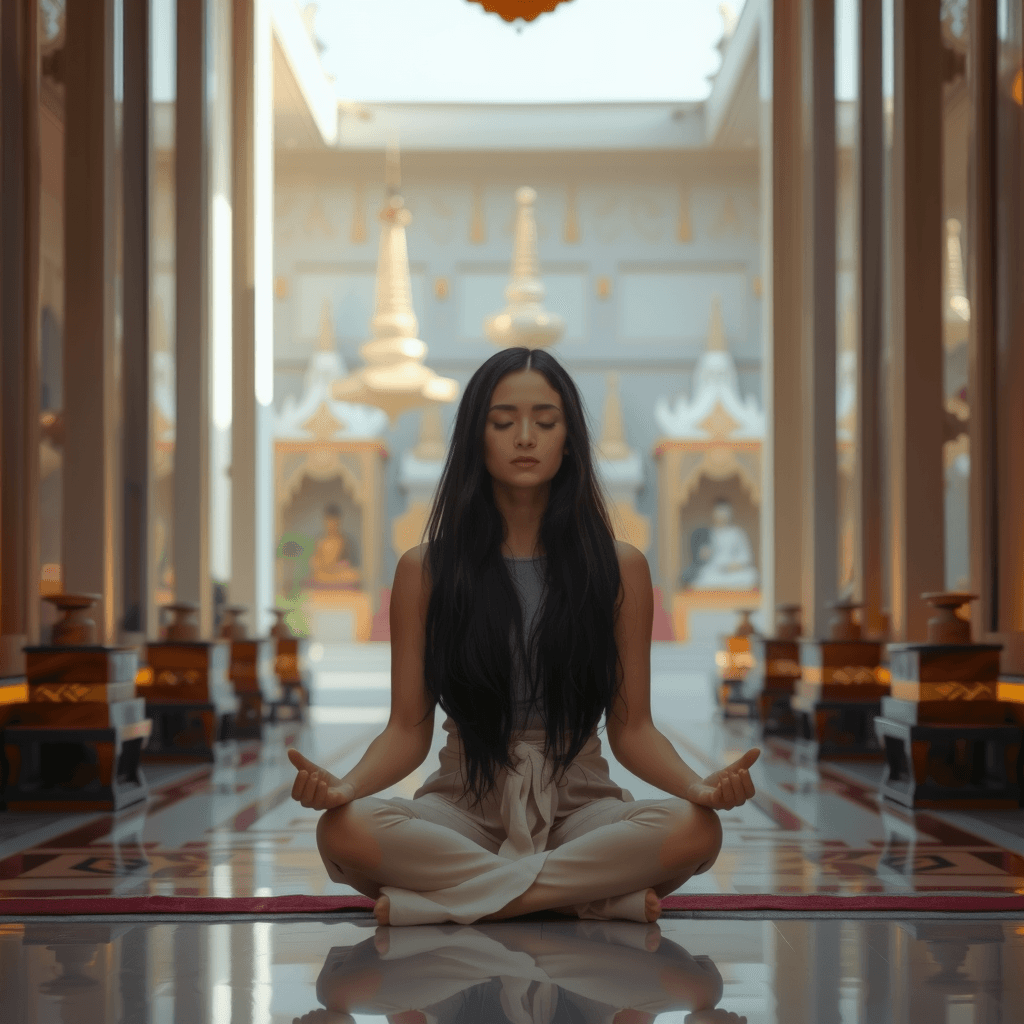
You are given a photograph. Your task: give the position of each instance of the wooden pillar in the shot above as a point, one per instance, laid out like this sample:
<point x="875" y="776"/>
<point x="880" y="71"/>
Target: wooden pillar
<point x="868" y="552"/>
<point x="252" y="497"/>
<point x="916" y="484"/>
<point x="781" y="173"/>
<point x="136" y="435"/>
<point x="982" y="338"/>
<point x="192" y="319"/>
<point x="19" y="331"/>
<point x="820" y="570"/>
<point x="91" y="505"/>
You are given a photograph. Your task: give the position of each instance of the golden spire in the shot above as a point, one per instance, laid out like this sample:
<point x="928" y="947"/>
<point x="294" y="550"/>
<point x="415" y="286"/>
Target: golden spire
<point x="325" y="341"/>
<point x="716" y="329"/>
<point x="524" y="320"/>
<point x="612" y="445"/>
<point x="394" y="378"/>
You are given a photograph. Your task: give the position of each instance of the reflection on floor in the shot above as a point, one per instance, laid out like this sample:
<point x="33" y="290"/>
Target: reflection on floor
<point x="675" y="972"/>
<point x="232" y="830"/>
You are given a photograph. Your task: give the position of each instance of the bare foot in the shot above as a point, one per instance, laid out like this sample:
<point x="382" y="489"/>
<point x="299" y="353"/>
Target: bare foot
<point x="652" y="906"/>
<point x="382" y="910"/>
<point x="382" y="941"/>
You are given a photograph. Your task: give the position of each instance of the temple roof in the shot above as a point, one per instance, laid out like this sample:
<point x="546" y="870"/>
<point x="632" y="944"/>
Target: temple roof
<point x="716" y="410"/>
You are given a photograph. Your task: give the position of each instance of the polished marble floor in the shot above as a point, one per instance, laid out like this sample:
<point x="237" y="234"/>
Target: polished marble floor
<point x="231" y="829"/>
<point x="675" y="972"/>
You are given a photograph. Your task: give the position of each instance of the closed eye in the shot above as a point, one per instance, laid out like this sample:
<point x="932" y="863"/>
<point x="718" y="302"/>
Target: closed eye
<point x="502" y="426"/>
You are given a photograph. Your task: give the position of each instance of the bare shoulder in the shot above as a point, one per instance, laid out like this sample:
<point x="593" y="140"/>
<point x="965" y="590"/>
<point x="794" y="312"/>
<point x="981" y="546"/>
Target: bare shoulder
<point x="414" y="558"/>
<point x="632" y="562"/>
<point x="411" y="573"/>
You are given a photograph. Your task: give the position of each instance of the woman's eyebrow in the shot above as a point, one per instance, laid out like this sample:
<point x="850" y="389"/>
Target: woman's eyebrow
<point x="515" y="408"/>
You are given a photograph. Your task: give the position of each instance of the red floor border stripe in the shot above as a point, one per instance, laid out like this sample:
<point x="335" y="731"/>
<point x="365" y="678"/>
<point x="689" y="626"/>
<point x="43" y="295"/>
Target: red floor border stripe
<point x="728" y="902"/>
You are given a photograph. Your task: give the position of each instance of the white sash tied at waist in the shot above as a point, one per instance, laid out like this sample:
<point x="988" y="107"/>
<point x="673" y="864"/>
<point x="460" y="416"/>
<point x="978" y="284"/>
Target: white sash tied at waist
<point x="529" y="799"/>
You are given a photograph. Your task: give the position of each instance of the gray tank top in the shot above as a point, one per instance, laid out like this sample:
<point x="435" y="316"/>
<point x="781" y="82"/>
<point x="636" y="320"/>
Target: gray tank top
<point x="528" y="577"/>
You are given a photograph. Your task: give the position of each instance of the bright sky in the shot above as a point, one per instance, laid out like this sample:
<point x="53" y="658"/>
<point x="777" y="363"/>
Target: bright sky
<point x="452" y="51"/>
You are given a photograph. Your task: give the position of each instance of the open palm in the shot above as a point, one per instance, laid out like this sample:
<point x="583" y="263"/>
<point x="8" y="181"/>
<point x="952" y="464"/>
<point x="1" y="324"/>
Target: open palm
<point x="728" y="787"/>
<point x="317" y="788"/>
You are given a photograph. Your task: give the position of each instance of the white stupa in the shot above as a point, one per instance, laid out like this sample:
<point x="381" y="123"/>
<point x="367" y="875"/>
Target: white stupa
<point x="316" y="412"/>
<point x="716" y="408"/>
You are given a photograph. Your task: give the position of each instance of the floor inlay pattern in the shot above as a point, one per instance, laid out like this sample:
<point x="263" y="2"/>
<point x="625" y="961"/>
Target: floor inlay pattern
<point x="231" y="829"/>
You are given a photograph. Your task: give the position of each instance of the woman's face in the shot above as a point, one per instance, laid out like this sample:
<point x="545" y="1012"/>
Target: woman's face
<point x="524" y="439"/>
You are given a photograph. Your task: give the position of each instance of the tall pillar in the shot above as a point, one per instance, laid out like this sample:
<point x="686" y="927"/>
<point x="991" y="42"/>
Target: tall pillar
<point x="868" y="551"/>
<point x="91" y="501"/>
<point x="252" y="497"/>
<point x="981" y="278"/>
<point x="19" y="331"/>
<point x="782" y="474"/>
<point x="820" y="569"/>
<point x="192" y="319"/>
<point x="916" y="484"/>
<point x="996" y="363"/>
<point x="136" y="438"/>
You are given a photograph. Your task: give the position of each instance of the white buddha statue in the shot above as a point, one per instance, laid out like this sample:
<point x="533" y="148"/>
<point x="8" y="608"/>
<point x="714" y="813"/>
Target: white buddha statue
<point x="730" y="558"/>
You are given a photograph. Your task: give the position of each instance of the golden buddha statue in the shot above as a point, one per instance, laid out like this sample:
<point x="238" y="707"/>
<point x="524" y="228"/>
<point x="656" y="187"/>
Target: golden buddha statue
<point x="328" y="565"/>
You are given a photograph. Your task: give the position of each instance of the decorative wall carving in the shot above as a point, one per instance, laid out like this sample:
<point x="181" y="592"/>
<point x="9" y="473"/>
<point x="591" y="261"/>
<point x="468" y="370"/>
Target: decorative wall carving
<point x="684" y="221"/>
<point x="571" y="231"/>
<point x="357" y="232"/>
<point x="478" y="217"/>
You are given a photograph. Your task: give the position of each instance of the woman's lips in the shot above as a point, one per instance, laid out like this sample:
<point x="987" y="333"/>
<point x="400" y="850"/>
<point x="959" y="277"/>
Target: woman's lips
<point x="525" y="461"/>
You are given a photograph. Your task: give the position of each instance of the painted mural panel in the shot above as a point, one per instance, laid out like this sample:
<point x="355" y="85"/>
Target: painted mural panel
<point x="673" y="306"/>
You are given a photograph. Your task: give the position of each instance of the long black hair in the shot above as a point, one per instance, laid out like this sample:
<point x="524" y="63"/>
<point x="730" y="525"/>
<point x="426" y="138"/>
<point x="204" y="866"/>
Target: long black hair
<point x="474" y="620"/>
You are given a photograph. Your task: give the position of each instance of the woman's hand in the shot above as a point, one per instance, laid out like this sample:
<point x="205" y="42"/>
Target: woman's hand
<point x="728" y="787"/>
<point x="316" y="788"/>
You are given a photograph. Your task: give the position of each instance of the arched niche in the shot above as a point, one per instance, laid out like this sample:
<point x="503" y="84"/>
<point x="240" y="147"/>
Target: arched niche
<point x="309" y="476"/>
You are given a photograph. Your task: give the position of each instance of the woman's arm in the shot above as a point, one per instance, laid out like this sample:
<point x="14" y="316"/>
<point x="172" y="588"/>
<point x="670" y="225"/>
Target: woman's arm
<point x="638" y="745"/>
<point x="405" y="742"/>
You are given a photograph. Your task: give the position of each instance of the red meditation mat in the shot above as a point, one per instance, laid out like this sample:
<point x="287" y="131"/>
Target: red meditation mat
<point x="809" y="903"/>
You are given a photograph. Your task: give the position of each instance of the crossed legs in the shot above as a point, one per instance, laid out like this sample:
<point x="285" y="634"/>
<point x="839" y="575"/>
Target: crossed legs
<point x="653" y="845"/>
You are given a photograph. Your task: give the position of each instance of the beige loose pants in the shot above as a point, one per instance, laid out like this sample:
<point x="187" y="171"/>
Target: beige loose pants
<point x="593" y="846"/>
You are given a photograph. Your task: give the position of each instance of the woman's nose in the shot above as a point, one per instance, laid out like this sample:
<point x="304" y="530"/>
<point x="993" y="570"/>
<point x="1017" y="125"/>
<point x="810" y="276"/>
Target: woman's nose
<point x="525" y="434"/>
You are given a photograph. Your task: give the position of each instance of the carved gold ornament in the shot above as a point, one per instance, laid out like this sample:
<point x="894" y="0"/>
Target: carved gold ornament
<point x="511" y="10"/>
<point x="951" y="691"/>
<point x="61" y="693"/>
<point x="847" y="675"/>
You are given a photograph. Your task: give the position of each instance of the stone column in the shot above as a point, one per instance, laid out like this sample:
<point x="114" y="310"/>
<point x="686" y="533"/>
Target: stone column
<point x="252" y="486"/>
<point x="868" y="553"/>
<point x="136" y="438"/>
<point x="820" y="569"/>
<point x="916" y="485"/>
<point x="91" y="499"/>
<point x="782" y="474"/>
<point x="192" y="320"/>
<point x="19" y="332"/>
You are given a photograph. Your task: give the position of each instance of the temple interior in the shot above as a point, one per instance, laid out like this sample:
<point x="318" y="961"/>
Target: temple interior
<point x="253" y="250"/>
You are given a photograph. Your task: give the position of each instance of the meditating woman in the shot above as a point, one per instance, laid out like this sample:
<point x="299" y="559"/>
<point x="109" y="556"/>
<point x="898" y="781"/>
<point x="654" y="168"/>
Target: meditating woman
<point x="528" y="623"/>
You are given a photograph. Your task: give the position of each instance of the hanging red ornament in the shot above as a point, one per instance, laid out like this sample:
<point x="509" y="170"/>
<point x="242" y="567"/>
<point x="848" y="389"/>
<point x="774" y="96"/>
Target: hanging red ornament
<point x="512" y="10"/>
